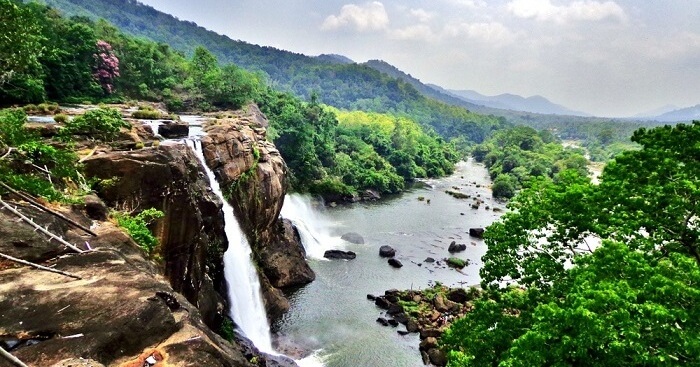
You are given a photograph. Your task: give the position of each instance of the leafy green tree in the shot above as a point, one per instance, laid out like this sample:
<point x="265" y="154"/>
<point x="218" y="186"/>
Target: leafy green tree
<point x="631" y="300"/>
<point x="21" y="43"/>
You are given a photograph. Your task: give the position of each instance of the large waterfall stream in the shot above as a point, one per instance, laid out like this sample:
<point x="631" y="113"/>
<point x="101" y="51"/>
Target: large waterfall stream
<point x="247" y="309"/>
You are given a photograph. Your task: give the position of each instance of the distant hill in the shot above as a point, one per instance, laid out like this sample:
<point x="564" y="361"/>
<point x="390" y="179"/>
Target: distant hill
<point x="534" y="104"/>
<point x="656" y="112"/>
<point x="425" y="89"/>
<point x="338" y="59"/>
<point x="680" y="115"/>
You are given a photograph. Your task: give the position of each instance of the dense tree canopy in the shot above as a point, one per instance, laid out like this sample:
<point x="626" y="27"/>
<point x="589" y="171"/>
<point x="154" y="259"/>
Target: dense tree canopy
<point x="517" y="155"/>
<point x="630" y="300"/>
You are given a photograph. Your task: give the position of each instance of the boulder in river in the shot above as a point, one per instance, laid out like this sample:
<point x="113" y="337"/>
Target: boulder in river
<point x="174" y="130"/>
<point x="458" y="295"/>
<point x="395" y="263"/>
<point x="455" y="247"/>
<point x="387" y="251"/>
<point x="429" y="260"/>
<point x="339" y="255"/>
<point x="476" y="232"/>
<point x="353" y="237"/>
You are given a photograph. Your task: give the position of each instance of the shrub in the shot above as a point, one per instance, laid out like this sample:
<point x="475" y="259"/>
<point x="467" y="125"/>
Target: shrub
<point x="504" y="186"/>
<point x="456" y="262"/>
<point x="102" y="124"/>
<point x="28" y="150"/>
<point x="61" y="118"/>
<point x="147" y="115"/>
<point x="137" y="227"/>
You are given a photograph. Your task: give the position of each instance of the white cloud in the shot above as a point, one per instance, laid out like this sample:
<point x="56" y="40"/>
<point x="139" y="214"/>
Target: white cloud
<point x="586" y="10"/>
<point x="468" y="3"/>
<point x="422" y="15"/>
<point x="494" y="33"/>
<point x="366" y="17"/>
<point x="418" y="32"/>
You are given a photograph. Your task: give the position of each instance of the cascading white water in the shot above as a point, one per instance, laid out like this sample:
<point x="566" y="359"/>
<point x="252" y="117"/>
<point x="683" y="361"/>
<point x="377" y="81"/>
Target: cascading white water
<point x="313" y="227"/>
<point x="247" y="309"/>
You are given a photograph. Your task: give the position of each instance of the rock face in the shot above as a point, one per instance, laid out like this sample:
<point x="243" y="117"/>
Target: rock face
<point x="121" y="312"/>
<point x="282" y="260"/>
<point x="169" y="178"/>
<point x="252" y="175"/>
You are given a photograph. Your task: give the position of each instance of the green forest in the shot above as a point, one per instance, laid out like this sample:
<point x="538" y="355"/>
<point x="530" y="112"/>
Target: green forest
<point x="517" y="156"/>
<point x="596" y="275"/>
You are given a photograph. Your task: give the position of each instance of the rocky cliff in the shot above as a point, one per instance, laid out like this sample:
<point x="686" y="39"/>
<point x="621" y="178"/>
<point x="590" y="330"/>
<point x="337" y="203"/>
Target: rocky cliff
<point x="252" y="175"/>
<point x="192" y="241"/>
<point x="128" y="307"/>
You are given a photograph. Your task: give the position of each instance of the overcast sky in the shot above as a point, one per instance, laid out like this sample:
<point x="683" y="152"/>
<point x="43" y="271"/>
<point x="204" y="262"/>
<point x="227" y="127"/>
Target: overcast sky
<point x="609" y="58"/>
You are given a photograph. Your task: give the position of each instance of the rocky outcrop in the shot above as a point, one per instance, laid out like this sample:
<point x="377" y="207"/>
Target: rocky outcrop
<point x="280" y="259"/>
<point x="252" y="175"/>
<point x="429" y="313"/>
<point x="174" y="129"/>
<point x="121" y="311"/>
<point x="170" y="178"/>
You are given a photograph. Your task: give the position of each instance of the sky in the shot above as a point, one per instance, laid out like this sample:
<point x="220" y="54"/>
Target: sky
<point x="609" y="58"/>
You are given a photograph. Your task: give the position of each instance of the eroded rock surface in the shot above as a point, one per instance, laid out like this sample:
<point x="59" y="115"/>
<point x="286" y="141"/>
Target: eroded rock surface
<point x="170" y="178"/>
<point x="115" y="315"/>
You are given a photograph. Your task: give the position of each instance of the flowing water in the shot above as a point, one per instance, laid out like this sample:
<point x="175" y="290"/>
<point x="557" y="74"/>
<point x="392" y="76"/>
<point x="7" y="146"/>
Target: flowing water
<point x="332" y="314"/>
<point x="247" y="309"/>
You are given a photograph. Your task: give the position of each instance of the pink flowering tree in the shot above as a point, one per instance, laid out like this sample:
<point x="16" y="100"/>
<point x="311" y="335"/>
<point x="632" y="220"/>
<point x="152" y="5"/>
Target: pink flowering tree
<point x="106" y="66"/>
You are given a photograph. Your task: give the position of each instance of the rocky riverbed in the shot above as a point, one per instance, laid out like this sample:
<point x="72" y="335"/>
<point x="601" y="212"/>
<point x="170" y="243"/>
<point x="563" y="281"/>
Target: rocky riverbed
<point x="428" y="313"/>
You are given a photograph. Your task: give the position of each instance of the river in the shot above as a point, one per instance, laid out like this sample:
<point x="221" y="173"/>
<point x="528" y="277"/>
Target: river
<point x="332" y="314"/>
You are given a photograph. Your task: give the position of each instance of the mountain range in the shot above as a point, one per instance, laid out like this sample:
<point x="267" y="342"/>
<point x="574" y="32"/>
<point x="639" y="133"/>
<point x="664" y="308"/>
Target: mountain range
<point x="507" y="101"/>
<point x="336" y="79"/>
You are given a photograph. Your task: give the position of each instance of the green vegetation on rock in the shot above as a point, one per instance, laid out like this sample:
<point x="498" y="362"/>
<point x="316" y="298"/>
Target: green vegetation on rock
<point x="137" y="227"/>
<point x="30" y="164"/>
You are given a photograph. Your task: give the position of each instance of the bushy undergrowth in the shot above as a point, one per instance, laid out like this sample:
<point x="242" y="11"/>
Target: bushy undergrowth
<point x="30" y="164"/>
<point x="102" y="124"/>
<point x="137" y="227"/>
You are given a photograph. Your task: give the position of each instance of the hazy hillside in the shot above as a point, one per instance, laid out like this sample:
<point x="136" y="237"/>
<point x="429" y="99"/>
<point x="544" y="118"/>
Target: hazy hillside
<point x="680" y="115"/>
<point x="535" y="104"/>
<point x="425" y="89"/>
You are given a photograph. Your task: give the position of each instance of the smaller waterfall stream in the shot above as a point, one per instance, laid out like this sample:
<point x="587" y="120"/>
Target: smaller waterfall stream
<point x="247" y="309"/>
<point x="313" y="227"/>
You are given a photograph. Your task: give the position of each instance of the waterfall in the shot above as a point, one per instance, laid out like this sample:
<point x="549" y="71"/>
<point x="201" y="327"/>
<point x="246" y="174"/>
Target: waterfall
<point x="247" y="308"/>
<point x="313" y="227"/>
